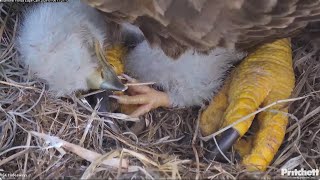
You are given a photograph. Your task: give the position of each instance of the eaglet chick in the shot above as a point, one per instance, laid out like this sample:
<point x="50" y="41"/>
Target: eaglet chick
<point x="57" y="42"/>
<point x="189" y="80"/>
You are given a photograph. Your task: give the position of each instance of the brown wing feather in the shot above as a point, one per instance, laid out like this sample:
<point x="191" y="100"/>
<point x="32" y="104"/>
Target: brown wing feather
<point x="177" y="25"/>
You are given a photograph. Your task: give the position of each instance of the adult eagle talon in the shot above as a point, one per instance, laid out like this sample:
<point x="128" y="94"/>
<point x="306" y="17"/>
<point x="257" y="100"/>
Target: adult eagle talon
<point x="218" y="149"/>
<point x="264" y="77"/>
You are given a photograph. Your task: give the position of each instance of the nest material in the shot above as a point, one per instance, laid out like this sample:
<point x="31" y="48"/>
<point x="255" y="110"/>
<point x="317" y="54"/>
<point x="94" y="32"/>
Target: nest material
<point x="169" y="148"/>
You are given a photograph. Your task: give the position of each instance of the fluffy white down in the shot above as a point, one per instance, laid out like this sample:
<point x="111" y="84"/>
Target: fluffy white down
<point x="56" y="41"/>
<point x="189" y="80"/>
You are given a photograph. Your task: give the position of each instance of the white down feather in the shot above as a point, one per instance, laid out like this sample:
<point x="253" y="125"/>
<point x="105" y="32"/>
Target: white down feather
<point x="56" y="41"/>
<point x="189" y="80"/>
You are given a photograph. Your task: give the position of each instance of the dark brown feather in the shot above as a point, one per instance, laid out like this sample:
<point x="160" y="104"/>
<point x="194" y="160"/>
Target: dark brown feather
<point x="176" y="25"/>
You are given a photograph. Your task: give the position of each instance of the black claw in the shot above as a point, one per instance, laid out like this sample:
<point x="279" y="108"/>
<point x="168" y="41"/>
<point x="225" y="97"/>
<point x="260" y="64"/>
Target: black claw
<point x="106" y="104"/>
<point x="224" y="141"/>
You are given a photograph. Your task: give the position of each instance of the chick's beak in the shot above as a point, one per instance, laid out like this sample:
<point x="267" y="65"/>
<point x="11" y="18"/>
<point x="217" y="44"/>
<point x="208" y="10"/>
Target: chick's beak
<point x="112" y="82"/>
<point x="104" y="77"/>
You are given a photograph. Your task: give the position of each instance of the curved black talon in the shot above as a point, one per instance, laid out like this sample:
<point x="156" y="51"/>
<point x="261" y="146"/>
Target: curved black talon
<point x="106" y="104"/>
<point x="225" y="141"/>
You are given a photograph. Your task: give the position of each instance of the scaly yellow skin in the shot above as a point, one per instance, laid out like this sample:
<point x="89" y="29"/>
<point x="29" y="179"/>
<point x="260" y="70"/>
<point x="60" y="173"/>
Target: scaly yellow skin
<point x="262" y="78"/>
<point x="211" y="118"/>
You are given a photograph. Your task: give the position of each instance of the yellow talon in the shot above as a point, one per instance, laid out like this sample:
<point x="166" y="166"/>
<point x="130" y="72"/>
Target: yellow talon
<point x="211" y="118"/>
<point x="264" y="77"/>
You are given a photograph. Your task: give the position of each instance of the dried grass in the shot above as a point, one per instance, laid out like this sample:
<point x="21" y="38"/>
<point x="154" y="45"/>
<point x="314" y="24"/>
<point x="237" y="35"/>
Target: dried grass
<point x="45" y="137"/>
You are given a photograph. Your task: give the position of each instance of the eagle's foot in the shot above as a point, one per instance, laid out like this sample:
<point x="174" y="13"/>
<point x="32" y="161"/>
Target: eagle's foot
<point x="263" y="78"/>
<point x="142" y="98"/>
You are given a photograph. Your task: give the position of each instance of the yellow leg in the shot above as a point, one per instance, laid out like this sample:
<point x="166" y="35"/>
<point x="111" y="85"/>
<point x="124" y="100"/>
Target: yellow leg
<point x="244" y="146"/>
<point x="264" y="77"/>
<point x="272" y="127"/>
<point x="267" y="140"/>
<point x="211" y="118"/>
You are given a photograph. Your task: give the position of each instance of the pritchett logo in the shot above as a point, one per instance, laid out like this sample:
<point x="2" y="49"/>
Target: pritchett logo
<point x="302" y="172"/>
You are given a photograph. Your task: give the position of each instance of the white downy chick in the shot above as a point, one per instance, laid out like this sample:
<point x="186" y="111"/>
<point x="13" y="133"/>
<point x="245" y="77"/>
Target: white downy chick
<point x="56" y="41"/>
<point x="189" y="80"/>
